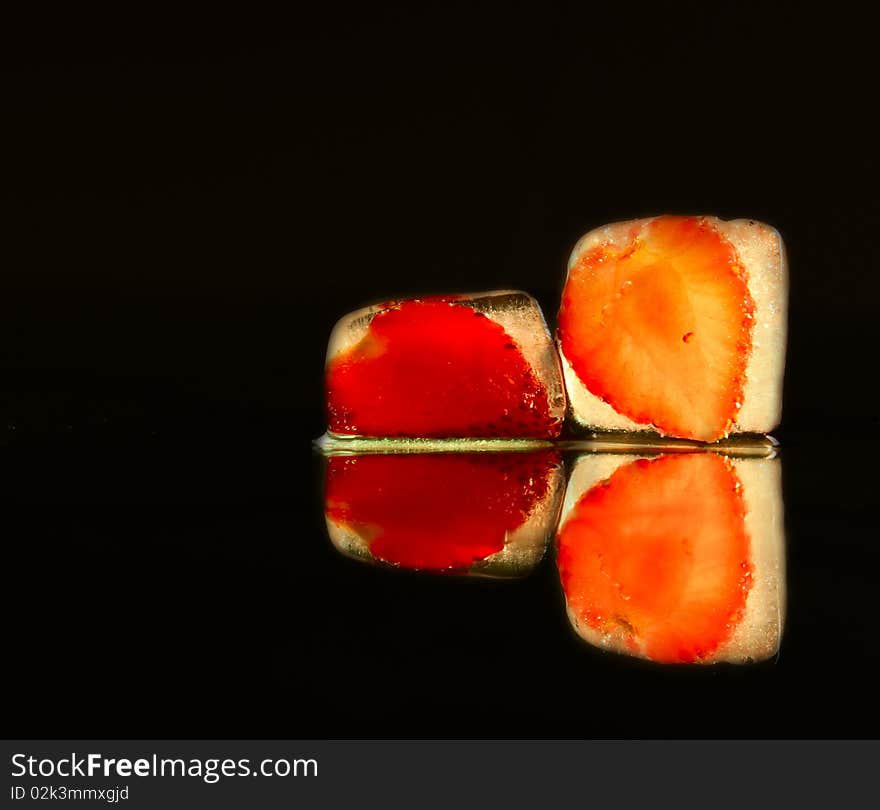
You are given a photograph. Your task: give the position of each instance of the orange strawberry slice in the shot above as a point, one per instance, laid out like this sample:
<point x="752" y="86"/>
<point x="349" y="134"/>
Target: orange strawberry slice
<point x="660" y="328"/>
<point x="655" y="559"/>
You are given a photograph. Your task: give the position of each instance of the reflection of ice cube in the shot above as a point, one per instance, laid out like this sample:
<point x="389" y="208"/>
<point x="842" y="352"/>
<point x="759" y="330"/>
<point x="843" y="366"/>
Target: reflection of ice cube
<point x="480" y="514"/>
<point x="441" y="382"/>
<point x="751" y="635"/>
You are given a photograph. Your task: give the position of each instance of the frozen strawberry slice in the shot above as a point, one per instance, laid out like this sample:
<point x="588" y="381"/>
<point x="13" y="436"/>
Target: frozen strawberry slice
<point x="478" y="366"/>
<point x="656" y="321"/>
<point x="655" y="560"/>
<point x="489" y="513"/>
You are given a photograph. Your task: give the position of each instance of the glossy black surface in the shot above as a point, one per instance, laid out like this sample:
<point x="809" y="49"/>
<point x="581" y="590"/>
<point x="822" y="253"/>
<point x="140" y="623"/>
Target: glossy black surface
<point x="185" y="216"/>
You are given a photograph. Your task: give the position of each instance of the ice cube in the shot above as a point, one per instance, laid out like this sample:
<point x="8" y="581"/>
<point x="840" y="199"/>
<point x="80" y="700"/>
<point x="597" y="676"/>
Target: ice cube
<point x="481" y="365"/>
<point x="675" y="558"/>
<point x="676" y="325"/>
<point x="480" y="514"/>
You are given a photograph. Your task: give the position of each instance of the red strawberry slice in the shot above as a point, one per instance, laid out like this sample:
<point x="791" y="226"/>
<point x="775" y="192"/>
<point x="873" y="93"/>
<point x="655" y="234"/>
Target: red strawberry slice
<point x="436" y="512"/>
<point x="439" y="369"/>
<point x="656" y="558"/>
<point x="660" y="327"/>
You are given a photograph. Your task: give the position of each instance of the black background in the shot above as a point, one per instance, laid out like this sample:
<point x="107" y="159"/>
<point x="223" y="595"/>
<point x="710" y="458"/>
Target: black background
<point x="188" y="205"/>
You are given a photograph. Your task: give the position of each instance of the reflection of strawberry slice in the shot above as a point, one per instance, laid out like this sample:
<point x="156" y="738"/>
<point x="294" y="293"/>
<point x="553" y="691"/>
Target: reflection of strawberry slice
<point x="437" y="512"/>
<point x="655" y="559"/>
<point x="660" y="327"/>
<point x="437" y="368"/>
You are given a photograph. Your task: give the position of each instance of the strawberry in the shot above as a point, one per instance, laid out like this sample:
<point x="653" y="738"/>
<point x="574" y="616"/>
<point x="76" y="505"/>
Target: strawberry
<point x="438" y="368"/>
<point x="437" y="512"/>
<point x="658" y="325"/>
<point x="656" y="558"/>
